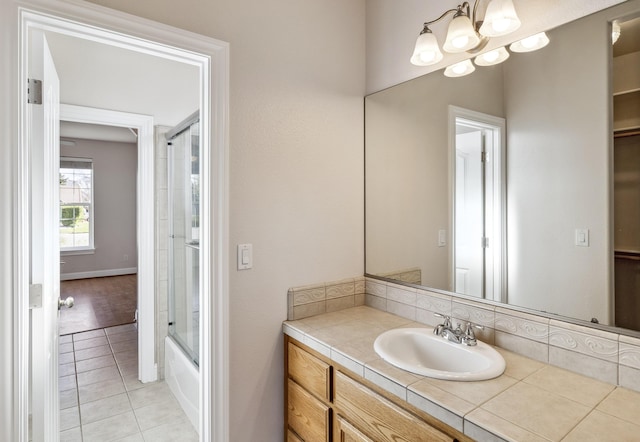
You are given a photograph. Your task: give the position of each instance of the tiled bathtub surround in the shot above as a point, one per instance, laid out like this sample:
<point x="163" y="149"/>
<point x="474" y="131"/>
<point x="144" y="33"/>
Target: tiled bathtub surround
<point x="328" y="297"/>
<point x="531" y="401"/>
<point x="603" y="355"/>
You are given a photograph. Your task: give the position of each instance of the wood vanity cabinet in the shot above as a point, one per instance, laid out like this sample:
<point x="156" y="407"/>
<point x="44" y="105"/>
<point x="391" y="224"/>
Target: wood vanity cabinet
<point x="326" y="402"/>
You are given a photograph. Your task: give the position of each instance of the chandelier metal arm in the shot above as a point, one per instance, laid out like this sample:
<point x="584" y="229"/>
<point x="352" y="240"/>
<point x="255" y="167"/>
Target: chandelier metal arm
<point x="464" y="5"/>
<point x="441" y="17"/>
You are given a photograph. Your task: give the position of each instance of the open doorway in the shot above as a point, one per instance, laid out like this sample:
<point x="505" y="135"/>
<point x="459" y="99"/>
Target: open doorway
<point x="478" y="204"/>
<point x="98" y="243"/>
<point x="210" y="59"/>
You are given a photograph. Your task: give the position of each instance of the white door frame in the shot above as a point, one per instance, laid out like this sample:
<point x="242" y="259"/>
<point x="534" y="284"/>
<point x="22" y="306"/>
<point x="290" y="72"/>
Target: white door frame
<point x="86" y="20"/>
<point x="145" y="233"/>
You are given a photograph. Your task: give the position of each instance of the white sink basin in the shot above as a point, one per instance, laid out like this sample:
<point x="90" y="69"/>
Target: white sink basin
<point x="420" y="351"/>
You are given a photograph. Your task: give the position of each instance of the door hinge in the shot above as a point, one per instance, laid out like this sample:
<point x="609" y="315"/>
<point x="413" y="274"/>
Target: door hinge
<point x="483" y="156"/>
<point x="35" y="295"/>
<point x="485" y="242"/>
<point x="34" y="91"/>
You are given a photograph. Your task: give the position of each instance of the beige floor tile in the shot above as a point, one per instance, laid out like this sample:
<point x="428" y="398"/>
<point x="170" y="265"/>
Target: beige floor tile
<point x="67" y="369"/>
<point x="71" y="435"/>
<point x="537" y="410"/>
<point x="122" y="346"/>
<point x="67" y="382"/>
<point x="150" y="394"/>
<point x="98" y="375"/>
<point x="120" y="329"/>
<point x="124" y="336"/>
<point x="576" y="387"/>
<point x="65" y="339"/>
<point x="133" y="438"/>
<point x="132" y="383"/>
<point x="111" y="428"/>
<point x="128" y="355"/>
<point x="598" y="427"/>
<point x="94" y="363"/>
<point x="88" y="335"/>
<point x="65" y="348"/>
<point x="181" y="431"/>
<point x="104" y="408"/>
<point x="100" y="390"/>
<point x="69" y="418"/>
<point x="65" y="358"/>
<point x="622" y="403"/>
<point x="90" y="343"/>
<point x="158" y="413"/>
<point x="129" y="368"/>
<point x="68" y="398"/>
<point x="94" y="352"/>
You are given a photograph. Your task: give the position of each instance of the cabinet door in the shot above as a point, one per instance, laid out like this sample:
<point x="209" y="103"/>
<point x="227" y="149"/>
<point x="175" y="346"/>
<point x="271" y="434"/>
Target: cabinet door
<point x="379" y="417"/>
<point x="310" y="372"/>
<point x="306" y="415"/>
<point x="292" y="437"/>
<point x="345" y="432"/>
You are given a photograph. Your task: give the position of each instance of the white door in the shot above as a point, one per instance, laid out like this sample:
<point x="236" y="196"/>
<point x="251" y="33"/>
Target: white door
<point x="44" y="144"/>
<point x="469" y="215"/>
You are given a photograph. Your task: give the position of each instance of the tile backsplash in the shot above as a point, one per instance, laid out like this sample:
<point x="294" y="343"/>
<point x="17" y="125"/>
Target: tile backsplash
<point x="316" y="299"/>
<point x="603" y="355"/>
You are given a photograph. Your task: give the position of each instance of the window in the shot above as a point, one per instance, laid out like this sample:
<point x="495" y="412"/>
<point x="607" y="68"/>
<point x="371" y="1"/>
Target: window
<point x="76" y="204"/>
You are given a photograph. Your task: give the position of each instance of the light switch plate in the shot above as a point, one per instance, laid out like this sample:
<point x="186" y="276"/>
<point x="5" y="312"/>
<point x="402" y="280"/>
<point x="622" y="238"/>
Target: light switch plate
<point x="582" y="237"/>
<point x="245" y="256"/>
<point x="442" y="238"/>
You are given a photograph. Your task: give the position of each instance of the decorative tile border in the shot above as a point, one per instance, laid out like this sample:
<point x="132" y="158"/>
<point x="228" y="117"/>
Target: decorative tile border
<point x="411" y="276"/>
<point x="311" y="300"/>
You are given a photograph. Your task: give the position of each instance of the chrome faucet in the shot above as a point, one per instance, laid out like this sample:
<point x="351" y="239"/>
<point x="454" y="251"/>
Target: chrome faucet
<point x="456" y="335"/>
<point x="446" y="325"/>
<point x="469" y="337"/>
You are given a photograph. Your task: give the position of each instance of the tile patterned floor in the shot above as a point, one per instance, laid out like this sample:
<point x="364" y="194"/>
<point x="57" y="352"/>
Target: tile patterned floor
<point x="101" y="398"/>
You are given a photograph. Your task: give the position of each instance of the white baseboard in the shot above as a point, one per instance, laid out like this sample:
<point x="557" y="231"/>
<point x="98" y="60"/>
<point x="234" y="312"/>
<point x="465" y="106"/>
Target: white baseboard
<point x="98" y="273"/>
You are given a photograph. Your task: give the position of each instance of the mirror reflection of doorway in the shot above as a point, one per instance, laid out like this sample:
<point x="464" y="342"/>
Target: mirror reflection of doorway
<point x="627" y="230"/>
<point x="478" y="205"/>
<point x="626" y="172"/>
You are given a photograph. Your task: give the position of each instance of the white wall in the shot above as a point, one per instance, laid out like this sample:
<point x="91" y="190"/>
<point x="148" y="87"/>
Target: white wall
<point x="114" y="193"/>
<point x="297" y="82"/>
<point x="393" y="27"/>
<point x="559" y="141"/>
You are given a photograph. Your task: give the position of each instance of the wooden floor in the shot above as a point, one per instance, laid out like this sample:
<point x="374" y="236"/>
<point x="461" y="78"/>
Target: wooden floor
<point x="99" y="303"/>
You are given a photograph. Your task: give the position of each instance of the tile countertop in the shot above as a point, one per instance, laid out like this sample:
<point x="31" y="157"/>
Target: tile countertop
<point x="531" y="401"/>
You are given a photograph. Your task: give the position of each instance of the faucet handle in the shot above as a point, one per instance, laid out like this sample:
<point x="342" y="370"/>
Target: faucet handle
<point x="469" y="337"/>
<point x="447" y="319"/>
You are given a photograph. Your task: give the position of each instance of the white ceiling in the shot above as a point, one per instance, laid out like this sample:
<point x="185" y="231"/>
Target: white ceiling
<point x="107" y="77"/>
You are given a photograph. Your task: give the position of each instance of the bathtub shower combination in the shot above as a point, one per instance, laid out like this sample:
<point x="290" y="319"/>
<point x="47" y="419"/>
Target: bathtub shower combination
<point x="182" y="343"/>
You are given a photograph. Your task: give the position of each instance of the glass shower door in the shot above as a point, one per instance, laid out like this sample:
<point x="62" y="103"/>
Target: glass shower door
<point x="184" y="244"/>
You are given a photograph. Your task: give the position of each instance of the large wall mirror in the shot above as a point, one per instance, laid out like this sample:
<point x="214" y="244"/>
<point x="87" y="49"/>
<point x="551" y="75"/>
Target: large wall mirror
<point x="519" y="183"/>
